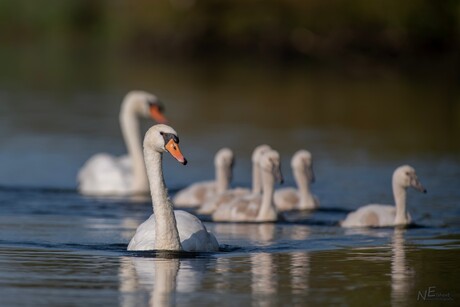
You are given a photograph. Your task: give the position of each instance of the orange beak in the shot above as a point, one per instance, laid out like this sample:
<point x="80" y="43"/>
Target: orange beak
<point x="173" y="148"/>
<point x="157" y="115"/>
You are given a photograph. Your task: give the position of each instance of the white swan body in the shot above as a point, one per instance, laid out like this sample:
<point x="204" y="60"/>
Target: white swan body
<point x="376" y="215"/>
<point x="301" y="198"/>
<point x="192" y="234"/>
<point x="167" y="229"/>
<point x="104" y="174"/>
<point x="226" y="197"/>
<point x="255" y="207"/>
<point x="197" y="193"/>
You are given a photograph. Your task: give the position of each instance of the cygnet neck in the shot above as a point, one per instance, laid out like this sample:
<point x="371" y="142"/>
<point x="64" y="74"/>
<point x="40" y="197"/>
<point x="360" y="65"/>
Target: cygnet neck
<point x="306" y="199"/>
<point x="222" y="178"/>
<point x="399" y="193"/>
<point x="267" y="210"/>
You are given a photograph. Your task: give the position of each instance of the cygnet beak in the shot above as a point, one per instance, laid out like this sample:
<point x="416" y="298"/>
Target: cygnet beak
<point x="416" y="184"/>
<point x="278" y="175"/>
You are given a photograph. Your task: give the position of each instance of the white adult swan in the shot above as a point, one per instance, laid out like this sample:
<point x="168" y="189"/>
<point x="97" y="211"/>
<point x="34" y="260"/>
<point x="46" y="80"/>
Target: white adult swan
<point x="227" y="196"/>
<point x="197" y="193"/>
<point x="387" y="215"/>
<point x="298" y="199"/>
<point x="104" y="174"/>
<point x="255" y="208"/>
<point x="168" y="229"/>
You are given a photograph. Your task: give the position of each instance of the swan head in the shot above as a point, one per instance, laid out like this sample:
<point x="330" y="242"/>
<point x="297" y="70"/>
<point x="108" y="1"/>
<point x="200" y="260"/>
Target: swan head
<point x="302" y="160"/>
<point x="405" y="177"/>
<point x="163" y="138"/>
<point x="270" y="162"/>
<point x="146" y="105"/>
<point x="258" y="151"/>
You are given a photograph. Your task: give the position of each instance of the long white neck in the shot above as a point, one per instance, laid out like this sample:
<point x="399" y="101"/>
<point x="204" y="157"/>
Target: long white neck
<point x="267" y="210"/>
<point x="399" y="193"/>
<point x="222" y="178"/>
<point x="130" y="128"/>
<point x="166" y="233"/>
<point x="306" y="199"/>
<point x="256" y="180"/>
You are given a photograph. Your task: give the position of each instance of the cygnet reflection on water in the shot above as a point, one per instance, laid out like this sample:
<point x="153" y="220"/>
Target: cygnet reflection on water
<point x="402" y="274"/>
<point x="252" y="235"/>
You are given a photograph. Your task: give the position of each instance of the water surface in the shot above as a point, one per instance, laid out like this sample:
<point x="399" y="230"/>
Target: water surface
<point x="60" y="248"/>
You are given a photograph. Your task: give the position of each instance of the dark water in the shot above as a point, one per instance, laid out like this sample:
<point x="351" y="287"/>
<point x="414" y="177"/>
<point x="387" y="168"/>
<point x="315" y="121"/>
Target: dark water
<point x="59" y="248"/>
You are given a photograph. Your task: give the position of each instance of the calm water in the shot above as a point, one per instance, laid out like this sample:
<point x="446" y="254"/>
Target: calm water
<point x="59" y="248"/>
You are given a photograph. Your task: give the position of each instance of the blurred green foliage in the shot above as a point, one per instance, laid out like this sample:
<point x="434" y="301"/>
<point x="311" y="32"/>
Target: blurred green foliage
<point x="313" y="29"/>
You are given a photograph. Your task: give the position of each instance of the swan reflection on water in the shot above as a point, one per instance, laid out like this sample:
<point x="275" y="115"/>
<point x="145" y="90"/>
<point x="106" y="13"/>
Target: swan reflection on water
<point x="402" y="275"/>
<point x="300" y="272"/>
<point x="158" y="278"/>
<point x="266" y="287"/>
<point x="263" y="284"/>
<point x="252" y="272"/>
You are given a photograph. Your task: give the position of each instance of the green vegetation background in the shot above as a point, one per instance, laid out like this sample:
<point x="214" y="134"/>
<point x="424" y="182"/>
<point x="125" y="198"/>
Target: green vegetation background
<point x="391" y="30"/>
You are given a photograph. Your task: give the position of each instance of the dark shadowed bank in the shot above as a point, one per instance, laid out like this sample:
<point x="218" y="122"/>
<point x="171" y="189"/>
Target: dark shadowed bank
<point x="349" y="32"/>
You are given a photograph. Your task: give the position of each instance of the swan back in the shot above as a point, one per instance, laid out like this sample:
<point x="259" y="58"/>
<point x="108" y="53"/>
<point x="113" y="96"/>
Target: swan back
<point x="192" y="233"/>
<point x="104" y="174"/>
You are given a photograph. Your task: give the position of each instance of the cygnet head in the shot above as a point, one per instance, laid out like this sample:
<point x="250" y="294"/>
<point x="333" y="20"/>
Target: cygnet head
<point x="270" y="162"/>
<point x="146" y="105"/>
<point x="224" y="157"/>
<point x="405" y="177"/>
<point x="258" y="151"/>
<point x="163" y="138"/>
<point x="302" y="161"/>
<point x="224" y="160"/>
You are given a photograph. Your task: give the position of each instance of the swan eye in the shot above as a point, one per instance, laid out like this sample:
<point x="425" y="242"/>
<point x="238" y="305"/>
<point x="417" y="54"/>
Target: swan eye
<point x="162" y="133"/>
<point x="169" y="136"/>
